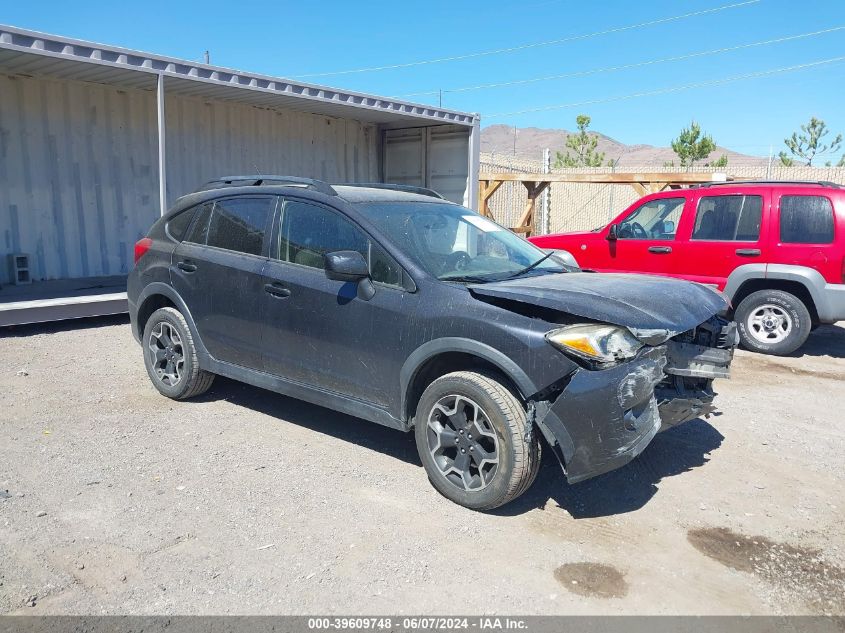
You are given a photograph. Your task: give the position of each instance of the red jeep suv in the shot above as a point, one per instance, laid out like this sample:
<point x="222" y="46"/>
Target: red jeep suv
<point x="776" y="249"/>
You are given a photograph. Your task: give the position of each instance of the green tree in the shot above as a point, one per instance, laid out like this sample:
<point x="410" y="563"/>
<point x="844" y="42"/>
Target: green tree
<point x="807" y="145"/>
<point x="583" y="146"/>
<point x="692" y="146"/>
<point x="719" y="163"/>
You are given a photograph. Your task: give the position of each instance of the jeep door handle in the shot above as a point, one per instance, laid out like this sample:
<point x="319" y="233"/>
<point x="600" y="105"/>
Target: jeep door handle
<point x="660" y="250"/>
<point x="748" y="252"/>
<point x="276" y="290"/>
<point x="188" y="267"/>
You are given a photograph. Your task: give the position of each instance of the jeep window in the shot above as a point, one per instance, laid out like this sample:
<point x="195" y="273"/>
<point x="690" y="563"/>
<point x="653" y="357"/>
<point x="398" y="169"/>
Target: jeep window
<point x="806" y="220"/>
<point x="239" y="224"/>
<point x="654" y="220"/>
<point x="728" y="218"/>
<point x="453" y="243"/>
<point x="178" y="224"/>
<point x="309" y="231"/>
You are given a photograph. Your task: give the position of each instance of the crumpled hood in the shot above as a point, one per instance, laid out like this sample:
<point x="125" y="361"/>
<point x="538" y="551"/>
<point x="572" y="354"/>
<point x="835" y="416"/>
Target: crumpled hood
<point x="653" y="308"/>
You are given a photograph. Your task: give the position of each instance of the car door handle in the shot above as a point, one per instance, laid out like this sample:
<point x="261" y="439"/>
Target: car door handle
<point x="660" y="250"/>
<point x="748" y="252"/>
<point x="276" y="290"/>
<point x="188" y="267"/>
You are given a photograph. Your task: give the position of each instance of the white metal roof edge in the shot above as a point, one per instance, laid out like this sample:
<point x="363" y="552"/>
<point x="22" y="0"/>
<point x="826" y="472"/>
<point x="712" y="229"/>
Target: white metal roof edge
<point x="47" y="45"/>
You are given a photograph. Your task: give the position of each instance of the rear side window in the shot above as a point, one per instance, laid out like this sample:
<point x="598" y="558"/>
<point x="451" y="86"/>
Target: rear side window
<point x="728" y="218"/>
<point x="239" y="224"/>
<point x="308" y="232"/>
<point x="806" y="220"/>
<point x="178" y="224"/>
<point x="199" y="230"/>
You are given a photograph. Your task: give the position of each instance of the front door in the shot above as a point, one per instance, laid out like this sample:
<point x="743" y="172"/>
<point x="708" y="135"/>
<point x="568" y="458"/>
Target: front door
<point x="218" y="271"/>
<point x="645" y="239"/>
<point x="319" y="332"/>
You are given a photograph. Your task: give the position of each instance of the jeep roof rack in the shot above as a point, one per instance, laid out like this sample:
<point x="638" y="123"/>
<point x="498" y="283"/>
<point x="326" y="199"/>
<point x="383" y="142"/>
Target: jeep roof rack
<point x="424" y="191"/>
<point x="267" y="180"/>
<point x="818" y="183"/>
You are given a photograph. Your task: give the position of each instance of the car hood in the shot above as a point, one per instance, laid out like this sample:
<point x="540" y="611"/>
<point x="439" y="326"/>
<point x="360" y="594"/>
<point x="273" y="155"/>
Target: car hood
<point x="652" y="308"/>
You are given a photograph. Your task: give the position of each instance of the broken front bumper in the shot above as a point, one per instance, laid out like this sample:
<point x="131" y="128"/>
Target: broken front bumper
<point x="604" y="419"/>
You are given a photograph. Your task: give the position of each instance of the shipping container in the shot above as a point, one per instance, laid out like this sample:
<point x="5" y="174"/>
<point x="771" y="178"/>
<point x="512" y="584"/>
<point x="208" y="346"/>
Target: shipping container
<point x="96" y="141"/>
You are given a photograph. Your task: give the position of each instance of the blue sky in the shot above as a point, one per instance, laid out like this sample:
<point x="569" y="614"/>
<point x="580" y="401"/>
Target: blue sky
<point x="296" y="39"/>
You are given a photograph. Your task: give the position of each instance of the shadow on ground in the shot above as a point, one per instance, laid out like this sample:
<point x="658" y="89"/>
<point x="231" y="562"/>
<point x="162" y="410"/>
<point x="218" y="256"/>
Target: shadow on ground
<point x="826" y="340"/>
<point x="318" y="419"/>
<point x="676" y="451"/>
<point x="53" y="327"/>
<point x="629" y="488"/>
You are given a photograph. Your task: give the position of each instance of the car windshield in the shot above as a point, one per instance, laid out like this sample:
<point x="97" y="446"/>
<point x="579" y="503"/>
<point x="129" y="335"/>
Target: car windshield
<point x="453" y="243"/>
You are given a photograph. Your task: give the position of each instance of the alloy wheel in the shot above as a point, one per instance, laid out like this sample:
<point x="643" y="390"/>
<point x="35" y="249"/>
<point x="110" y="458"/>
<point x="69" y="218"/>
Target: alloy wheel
<point x="462" y="442"/>
<point x="167" y="354"/>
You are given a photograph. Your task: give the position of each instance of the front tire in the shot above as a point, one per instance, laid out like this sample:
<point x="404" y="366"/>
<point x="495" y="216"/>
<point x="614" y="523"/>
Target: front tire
<point x="170" y="356"/>
<point x="471" y="436"/>
<point x="772" y="322"/>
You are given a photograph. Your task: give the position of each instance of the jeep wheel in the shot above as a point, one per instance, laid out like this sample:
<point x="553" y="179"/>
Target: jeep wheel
<point x="772" y="322"/>
<point x="171" y="358"/>
<point x="471" y="437"/>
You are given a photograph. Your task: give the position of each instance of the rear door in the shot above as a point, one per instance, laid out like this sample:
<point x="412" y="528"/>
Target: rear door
<point x="726" y="229"/>
<point x="318" y="331"/>
<point x="218" y="271"/>
<point x="806" y="234"/>
<point x="645" y="238"/>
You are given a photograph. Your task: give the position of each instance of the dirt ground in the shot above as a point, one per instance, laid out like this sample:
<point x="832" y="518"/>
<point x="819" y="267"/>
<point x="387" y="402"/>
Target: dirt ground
<point x="114" y="499"/>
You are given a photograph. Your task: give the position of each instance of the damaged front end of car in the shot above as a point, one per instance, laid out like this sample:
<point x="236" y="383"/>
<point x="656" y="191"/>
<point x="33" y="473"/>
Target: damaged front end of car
<point x="600" y="418"/>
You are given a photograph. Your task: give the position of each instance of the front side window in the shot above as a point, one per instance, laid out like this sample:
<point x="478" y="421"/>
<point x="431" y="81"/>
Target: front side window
<point x="806" y="220"/>
<point x="728" y="218"/>
<point x="453" y="243"/>
<point x="308" y="232"/>
<point x="239" y="224"/>
<point x="654" y="220"/>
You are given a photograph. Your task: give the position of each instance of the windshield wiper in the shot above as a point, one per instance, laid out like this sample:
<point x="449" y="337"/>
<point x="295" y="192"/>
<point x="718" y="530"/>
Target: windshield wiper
<point x="473" y="279"/>
<point x="530" y="267"/>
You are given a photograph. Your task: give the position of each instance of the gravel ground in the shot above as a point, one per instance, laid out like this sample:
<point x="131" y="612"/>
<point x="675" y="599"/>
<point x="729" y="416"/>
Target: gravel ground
<point x="114" y="499"/>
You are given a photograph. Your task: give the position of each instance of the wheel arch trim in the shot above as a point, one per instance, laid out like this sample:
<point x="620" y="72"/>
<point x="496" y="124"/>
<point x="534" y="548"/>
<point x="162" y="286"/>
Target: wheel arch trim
<point x="429" y="350"/>
<point x="158" y="288"/>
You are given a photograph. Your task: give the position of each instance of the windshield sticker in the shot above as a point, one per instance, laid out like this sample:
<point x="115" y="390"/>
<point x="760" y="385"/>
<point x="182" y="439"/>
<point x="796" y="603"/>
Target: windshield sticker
<point x="482" y="223"/>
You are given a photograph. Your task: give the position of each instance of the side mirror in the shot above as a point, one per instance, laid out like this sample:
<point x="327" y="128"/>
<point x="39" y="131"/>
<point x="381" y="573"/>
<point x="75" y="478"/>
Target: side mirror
<point x="668" y="227"/>
<point x="613" y="233"/>
<point x="346" y="266"/>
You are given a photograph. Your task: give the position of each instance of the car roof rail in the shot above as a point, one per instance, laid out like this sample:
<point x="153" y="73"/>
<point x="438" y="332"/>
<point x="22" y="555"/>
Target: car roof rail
<point x="818" y="183"/>
<point x="259" y="180"/>
<point x="423" y="191"/>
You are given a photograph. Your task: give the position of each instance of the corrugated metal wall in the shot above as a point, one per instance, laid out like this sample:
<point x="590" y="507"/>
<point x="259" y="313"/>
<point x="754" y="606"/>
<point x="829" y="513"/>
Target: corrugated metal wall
<point x="212" y="138"/>
<point x="79" y="174"/>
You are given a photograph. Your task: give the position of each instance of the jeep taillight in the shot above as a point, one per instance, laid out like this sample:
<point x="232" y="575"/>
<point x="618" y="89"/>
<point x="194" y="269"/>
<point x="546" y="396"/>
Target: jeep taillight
<point x="141" y="247"/>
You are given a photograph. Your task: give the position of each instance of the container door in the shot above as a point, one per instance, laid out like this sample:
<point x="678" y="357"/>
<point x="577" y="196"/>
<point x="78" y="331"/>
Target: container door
<point x="434" y="157"/>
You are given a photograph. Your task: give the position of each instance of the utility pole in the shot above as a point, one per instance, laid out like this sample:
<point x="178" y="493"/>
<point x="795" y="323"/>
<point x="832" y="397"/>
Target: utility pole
<point x="514" y="140"/>
<point x="769" y="165"/>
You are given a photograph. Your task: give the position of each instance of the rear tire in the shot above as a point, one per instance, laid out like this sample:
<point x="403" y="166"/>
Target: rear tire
<point x="772" y="322"/>
<point x="170" y="356"/>
<point x="471" y="436"/>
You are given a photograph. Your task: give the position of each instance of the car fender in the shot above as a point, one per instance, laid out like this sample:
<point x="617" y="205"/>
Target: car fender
<point x="163" y="289"/>
<point x="740" y="275"/>
<point x="438" y="346"/>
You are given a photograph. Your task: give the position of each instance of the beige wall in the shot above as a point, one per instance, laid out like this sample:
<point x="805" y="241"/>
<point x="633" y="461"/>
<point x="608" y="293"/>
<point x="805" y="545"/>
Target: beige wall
<point x="579" y="207"/>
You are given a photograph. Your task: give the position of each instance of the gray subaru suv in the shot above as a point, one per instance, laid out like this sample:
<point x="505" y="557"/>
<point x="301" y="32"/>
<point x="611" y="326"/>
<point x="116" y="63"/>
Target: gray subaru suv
<point x="393" y="305"/>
